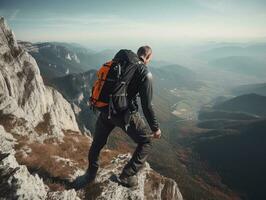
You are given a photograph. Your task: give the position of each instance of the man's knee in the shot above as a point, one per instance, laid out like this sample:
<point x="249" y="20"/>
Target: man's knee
<point x="146" y="146"/>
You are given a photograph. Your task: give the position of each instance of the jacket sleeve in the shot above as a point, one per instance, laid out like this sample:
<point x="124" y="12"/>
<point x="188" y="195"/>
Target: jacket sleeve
<point x="146" y="94"/>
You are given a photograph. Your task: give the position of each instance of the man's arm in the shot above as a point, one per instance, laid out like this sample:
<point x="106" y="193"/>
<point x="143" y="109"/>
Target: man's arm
<point x="146" y="94"/>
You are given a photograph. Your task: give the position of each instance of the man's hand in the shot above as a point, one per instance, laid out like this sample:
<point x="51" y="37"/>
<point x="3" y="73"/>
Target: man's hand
<point x="157" y="134"/>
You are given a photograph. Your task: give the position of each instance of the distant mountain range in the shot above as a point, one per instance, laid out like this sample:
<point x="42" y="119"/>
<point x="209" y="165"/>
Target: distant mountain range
<point x="170" y="76"/>
<point x="246" y="65"/>
<point x="59" y="59"/>
<point x="241" y="60"/>
<point x="258" y="50"/>
<point x="248" y="103"/>
<point x="259" y="89"/>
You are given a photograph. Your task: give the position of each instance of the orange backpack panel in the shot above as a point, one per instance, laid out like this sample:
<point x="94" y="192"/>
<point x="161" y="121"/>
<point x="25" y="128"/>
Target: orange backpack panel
<point x="98" y="85"/>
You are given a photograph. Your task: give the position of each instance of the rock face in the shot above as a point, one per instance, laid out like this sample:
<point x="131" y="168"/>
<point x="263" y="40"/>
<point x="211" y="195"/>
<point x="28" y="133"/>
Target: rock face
<point x="22" y="92"/>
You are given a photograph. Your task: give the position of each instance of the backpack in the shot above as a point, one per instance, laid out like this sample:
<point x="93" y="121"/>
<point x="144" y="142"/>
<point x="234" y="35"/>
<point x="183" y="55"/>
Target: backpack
<point x="109" y="91"/>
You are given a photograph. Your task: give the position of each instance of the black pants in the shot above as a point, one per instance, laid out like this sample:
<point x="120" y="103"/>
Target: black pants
<point x="136" y="129"/>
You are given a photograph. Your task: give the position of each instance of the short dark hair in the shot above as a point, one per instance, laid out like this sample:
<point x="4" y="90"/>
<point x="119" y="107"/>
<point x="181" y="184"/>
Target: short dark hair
<point x="144" y="51"/>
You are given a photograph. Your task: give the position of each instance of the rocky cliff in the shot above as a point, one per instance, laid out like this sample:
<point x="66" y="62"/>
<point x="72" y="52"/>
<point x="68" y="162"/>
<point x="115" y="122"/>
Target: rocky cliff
<point x="22" y="92"/>
<point x="41" y="148"/>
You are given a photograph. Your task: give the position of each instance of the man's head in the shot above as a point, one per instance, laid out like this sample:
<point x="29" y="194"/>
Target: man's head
<point x="145" y="54"/>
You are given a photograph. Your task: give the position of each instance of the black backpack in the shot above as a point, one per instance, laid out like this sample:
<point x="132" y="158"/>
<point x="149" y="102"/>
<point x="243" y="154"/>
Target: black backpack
<point x="109" y="91"/>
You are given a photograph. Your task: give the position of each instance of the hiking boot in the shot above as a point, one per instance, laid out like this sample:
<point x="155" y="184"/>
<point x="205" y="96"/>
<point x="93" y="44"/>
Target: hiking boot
<point x="82" y="181"/>
<point x="128" y="181"/>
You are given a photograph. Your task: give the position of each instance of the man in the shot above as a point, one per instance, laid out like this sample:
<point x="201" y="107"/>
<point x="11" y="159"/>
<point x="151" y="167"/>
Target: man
<point x="131" y="122"/>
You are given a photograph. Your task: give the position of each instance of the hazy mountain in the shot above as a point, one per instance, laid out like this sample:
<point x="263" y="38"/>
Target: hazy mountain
<point x="254" y="50"/>
<point x="74" y="47"/>
<point x="259" y="89"/>
<point x="241" y="64"/>
<point x="159" y="63"/>
<point x="55" y="59"/>
<point x="58" y="59"/>
<point x="227" y="115"/>
<point x="248" y="103"/>
<point x="172" y="76"/>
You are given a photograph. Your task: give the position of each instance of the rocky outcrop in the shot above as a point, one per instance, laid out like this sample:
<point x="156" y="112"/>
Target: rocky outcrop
<point x="151" y="185"/>
<point x="16" y="182"/>
<point x="22" y="92"/>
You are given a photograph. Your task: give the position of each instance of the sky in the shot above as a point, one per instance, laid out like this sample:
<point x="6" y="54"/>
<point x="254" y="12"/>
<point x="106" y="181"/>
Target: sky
<point x="115" y="22"/>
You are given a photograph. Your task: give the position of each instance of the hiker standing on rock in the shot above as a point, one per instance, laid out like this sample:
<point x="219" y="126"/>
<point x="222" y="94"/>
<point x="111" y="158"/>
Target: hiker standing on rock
<point x="115" y="93"/>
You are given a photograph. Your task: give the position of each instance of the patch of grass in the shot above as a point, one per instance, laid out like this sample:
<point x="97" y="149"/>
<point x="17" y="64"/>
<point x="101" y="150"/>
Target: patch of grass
<point x="42" y="159"/>
<point x="74" y="147"/>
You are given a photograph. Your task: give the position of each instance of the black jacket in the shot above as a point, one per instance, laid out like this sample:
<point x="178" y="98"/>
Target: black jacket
<point x="141" y="85"/>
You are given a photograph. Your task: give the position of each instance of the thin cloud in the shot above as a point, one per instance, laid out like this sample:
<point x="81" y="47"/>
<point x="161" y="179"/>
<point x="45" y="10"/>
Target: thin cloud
<point x="74" y="19"/>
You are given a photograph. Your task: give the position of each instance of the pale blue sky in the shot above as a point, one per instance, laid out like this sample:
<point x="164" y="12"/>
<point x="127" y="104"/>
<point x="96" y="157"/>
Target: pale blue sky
<point x="112" y="22"/>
